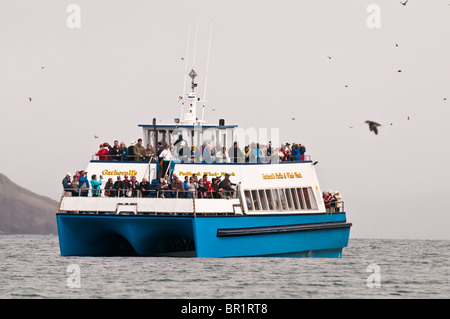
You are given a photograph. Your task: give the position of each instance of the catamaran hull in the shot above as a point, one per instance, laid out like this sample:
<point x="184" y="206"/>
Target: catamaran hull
<point x="303" y="235"/>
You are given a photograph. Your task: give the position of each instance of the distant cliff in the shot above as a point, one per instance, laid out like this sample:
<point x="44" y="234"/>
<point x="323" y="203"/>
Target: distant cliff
<point x="24" y="212"/>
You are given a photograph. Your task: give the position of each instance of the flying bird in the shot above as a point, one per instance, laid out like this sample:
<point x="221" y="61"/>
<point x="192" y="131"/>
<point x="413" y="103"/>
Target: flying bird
<point x="407" y="118"/>
<point x="404" y="3"/>
<point x="293" y="118"/>
<point x="399" y="70"/>
<point x="373" y="126"/>
<point x="329" y="57"/>
<point x="30" y="99"/>
<point x="95" y="136"/>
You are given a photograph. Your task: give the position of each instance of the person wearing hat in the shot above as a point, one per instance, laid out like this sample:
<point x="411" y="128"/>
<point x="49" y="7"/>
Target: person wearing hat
<point x="226" y="186"/>
<point x="195" y="154"/>
<point x="83" y="184"/>
<point x="118" y="187"/>
<point x="131" y="156"/>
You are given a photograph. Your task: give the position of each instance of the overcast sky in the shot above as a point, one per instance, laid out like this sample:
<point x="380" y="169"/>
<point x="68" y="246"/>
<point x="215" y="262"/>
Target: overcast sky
<point x="268" y="64"/>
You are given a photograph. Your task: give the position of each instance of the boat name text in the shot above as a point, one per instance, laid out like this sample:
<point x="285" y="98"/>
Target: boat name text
<point x="282" y="175"/>
<point x="131" y="172"/>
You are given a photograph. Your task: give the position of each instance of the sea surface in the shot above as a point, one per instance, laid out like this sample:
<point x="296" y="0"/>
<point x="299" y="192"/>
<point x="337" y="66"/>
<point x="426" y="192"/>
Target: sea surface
<point x="31" y="267"/>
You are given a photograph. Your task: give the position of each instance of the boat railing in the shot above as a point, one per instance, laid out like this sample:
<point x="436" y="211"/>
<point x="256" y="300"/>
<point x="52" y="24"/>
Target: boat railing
<point x="225" y="203"/>
<point x="199" y="159"/>
<point x="137" y="193"/>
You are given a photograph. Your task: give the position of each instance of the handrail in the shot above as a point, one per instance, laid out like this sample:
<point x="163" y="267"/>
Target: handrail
<point x="90" y="192"/>
<point x="199" y="160"/>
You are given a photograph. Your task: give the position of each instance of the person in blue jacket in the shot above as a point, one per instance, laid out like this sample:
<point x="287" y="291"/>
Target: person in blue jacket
<point x="96" y="185"/>
<point x="83" y="184"/>
<point x="295" y="153"/>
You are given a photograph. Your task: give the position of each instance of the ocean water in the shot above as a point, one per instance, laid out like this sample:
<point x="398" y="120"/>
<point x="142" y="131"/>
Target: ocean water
<point x="31" y="267"/>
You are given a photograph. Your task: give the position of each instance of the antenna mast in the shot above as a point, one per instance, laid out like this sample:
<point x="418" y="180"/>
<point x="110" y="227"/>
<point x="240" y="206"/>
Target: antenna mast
<point x="207" y="68"/>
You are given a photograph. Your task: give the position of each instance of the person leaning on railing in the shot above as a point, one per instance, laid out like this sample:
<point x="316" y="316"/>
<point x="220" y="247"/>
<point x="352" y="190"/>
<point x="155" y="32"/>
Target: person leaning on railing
<point x="145" y="187"/>
<point x="177" y="187"/>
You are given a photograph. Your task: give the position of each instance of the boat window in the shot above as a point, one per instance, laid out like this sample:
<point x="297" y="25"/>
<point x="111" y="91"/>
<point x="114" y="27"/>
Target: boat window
<point x="276" y="199"/>
<point x="269" y="199"/>
<point x="306" y="197"/>
<point x="262" y="197"/>
<point x="289" y="198"/>
<point x="294" y="198"/>
<point x="256" y="203"/>
<point x="248" y="200"/>
<point x="283" y="199"/>
<point x="300" y="198"/>
<point x="312" y="198"/>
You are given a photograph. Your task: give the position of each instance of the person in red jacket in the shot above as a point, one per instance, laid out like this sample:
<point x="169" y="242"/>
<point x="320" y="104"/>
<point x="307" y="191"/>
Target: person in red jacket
<point x="103" y="153"/>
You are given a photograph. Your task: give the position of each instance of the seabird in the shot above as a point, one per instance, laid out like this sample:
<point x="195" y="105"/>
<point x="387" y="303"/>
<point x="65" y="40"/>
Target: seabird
<point x="329" y="57"/>
<point x="29" y="99"/>
<point x="373" y="126"/>
<point x="293" y="118"/>
<point x="404" y="3"/>
<point x="399" y="70"/>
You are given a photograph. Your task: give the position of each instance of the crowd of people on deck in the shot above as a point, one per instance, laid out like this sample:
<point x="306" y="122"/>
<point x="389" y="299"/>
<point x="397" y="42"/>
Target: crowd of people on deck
<point x="251" y="153"/>
<point x="120" y="152"/>
<point x="192" y="186"/>
<point x="332" y="201"/>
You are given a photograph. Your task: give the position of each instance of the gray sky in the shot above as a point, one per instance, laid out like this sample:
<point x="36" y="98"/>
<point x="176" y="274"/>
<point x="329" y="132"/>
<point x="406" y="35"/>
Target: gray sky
<point x="268" y="64"/>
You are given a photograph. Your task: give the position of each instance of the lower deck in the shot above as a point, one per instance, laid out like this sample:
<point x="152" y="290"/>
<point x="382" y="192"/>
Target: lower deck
<point x="300" y="235"/>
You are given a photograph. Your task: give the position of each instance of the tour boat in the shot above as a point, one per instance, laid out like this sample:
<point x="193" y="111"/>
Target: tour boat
<point x="274" y="208"/>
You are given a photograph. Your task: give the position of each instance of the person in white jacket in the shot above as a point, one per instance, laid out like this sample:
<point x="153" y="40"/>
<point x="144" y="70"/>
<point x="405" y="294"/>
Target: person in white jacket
<point x="166" y="156"/>
<point x="222" y="156"/>
<point x="338" y="198"/>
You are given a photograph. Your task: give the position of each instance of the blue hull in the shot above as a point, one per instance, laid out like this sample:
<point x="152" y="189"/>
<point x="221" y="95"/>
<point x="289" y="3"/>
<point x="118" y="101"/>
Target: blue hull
<point x="305" y="235"/>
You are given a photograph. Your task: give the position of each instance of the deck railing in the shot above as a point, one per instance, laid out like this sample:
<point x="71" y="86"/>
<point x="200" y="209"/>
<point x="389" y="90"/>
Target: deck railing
<point x="137" y="193"/>
<point x="199" y="159"/>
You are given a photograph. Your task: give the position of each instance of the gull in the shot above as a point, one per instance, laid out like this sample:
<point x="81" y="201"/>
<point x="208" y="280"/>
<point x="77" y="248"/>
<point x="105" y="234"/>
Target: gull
<point x="404" y="3"/>
<point x="293" y="118"/>
<point x="29" y="99"/>
<point x="399" y="70"/>
<point x="373" y="126"/>
<point x="95" y="136"/>
<point x="329" y="57"/>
